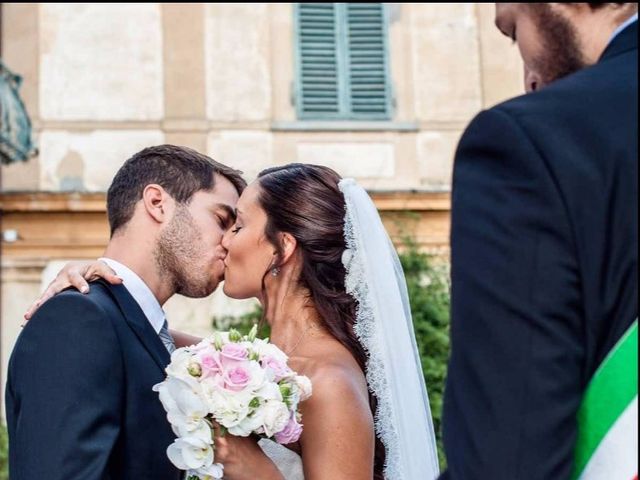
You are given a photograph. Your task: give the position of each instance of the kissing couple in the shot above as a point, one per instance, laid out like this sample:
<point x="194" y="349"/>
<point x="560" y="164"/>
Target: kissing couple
<point x="309" y="245"/>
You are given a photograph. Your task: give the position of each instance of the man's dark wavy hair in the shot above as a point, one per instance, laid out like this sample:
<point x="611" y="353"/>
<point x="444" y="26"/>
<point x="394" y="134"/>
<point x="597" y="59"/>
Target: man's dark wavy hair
<point x="181" y="171"/>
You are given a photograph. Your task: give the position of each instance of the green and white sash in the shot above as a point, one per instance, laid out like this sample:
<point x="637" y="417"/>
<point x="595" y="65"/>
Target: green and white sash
<point x="607" y="445"/>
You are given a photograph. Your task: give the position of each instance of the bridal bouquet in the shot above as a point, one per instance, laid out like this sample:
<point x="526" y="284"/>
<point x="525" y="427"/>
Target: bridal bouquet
<point x="242" y="383"/>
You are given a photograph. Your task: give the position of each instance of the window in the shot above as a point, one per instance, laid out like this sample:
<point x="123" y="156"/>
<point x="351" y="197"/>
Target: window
<point x="342" y="62"/>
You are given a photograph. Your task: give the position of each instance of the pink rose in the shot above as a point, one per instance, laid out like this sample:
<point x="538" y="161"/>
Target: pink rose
<point x="291" y="432"/>
<point x="236" y="379"/>
<point x="210" y="363"/>
<point x="232" y="353"/>
<point x="279" y="368"/>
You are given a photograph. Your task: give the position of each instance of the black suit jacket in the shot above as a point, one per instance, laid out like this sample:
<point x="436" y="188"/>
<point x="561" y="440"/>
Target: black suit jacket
<point x="79" y="399"/>
<point x="544" y="249"/>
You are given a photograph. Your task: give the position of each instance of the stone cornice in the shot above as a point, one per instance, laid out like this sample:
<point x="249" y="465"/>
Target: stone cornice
<point x="52" y="202"/>
<point x="96" y="202"/>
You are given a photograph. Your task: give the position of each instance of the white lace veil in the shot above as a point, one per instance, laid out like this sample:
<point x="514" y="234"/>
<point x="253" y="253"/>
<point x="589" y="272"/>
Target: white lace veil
<point x="385" y="330"/>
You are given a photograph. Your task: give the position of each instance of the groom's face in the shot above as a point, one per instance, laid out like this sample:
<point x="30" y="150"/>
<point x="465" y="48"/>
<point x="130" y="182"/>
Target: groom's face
<point x="189" y="249"/>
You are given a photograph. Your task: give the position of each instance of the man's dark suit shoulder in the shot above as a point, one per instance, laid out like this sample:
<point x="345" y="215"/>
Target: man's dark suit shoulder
<point x="611" y="86"/>
<point x="71" y="315"/>
<point x="98" y="298"/>
<point x="577" y="126"/>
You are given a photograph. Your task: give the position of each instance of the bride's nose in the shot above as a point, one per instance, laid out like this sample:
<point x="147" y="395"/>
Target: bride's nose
<point x="226" y="239"/>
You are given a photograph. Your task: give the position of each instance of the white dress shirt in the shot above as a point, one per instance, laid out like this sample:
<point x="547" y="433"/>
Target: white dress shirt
<point x="140" y="292"/>
<point x="622" y="26"/>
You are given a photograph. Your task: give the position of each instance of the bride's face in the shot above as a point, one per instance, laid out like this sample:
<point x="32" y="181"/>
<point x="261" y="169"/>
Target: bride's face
<point x="249" y="253"/>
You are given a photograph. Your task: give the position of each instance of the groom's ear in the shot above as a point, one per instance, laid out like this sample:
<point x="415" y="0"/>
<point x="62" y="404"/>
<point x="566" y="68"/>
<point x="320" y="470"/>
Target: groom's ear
<point x="157" y="202"/>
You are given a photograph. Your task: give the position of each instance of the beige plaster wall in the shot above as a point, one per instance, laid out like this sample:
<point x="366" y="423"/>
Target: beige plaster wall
<point x="103" y="81"/>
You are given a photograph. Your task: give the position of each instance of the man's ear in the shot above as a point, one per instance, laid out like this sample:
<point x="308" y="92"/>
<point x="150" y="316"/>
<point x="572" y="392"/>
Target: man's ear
<point x="157" y="202"/>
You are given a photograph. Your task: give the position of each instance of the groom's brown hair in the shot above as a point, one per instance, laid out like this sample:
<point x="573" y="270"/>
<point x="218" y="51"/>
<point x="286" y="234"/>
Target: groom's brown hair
<point x="181" y="171"/>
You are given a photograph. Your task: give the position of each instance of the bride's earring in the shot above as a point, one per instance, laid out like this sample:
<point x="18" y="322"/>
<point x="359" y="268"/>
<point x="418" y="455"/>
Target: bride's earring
<point x="275" y="271"/>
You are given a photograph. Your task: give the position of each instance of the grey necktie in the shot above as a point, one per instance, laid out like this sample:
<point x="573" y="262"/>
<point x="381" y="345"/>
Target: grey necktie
<point x="166" y="337"/>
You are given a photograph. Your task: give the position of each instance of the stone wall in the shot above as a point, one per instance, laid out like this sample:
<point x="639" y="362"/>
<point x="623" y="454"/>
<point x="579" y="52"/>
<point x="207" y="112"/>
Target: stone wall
<point x="103" y="81"/>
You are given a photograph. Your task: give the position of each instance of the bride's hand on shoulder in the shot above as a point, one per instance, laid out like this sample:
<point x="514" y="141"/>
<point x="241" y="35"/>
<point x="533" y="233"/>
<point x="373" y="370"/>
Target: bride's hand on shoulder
<point x="243" y="459"/>
<point x="77" y="275"/>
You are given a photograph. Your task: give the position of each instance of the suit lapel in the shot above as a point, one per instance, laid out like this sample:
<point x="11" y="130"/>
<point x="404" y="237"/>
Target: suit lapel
<point x="139" y="323"/>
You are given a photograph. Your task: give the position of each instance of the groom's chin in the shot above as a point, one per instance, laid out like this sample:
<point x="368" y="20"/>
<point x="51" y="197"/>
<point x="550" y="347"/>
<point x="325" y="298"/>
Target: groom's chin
<point x="200" y="292"/>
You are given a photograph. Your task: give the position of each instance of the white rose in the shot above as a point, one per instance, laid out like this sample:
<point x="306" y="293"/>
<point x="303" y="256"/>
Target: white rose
<point x="251" y="423"/>
<point x="232" y="408"/>
<point x="269" y="391"/>
<point x="212" y="393"/>
<point x="275" y="416"/>
<point x="190" y="453"/>
<point x="179" y="366"/>
<point x="264" y="348"/>
<point x="304" y="386"/>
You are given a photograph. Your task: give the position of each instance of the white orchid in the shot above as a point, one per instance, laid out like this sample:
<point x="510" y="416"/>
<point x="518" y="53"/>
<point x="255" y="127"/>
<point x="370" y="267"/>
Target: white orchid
<point x="188" y="453"/>
<point x="186" y="408"/>
<point x="215" y="471"/>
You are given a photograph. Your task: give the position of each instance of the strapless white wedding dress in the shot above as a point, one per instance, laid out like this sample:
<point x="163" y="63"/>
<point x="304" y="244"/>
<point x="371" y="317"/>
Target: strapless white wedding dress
<point x="288" y="462"/>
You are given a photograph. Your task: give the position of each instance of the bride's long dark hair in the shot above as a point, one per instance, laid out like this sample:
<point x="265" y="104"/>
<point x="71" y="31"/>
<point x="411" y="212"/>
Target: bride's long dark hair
<point x="305" y="201"/>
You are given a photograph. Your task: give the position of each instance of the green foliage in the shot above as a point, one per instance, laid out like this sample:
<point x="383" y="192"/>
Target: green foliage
<point x="4" y="453"/>
<point x="428" y="286"/>
<point x="244" y="323"/>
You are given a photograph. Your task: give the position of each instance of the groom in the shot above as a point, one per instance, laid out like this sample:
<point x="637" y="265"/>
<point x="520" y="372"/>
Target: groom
<point x="544" y="249"/>
<point x="79" y="399"/>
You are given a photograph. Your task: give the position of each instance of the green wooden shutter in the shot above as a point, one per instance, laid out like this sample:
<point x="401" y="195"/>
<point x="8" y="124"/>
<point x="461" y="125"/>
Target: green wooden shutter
<point x="342" y="64"/>
<point x="318" y="75"/>
<point x="367" y="60"/>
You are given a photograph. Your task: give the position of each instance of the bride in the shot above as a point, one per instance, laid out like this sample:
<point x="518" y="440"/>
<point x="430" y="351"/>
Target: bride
<point x="312" y="249"/>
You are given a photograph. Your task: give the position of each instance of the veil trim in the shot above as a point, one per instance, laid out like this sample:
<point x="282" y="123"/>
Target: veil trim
<point x="370" y="337"/>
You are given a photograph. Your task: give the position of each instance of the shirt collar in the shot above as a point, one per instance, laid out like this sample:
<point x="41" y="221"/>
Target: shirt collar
<point x="622" y="26"/>
<point x="140" y="292"/>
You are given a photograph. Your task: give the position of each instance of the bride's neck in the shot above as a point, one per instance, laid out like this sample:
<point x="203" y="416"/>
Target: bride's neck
<point x="291" y="317"/>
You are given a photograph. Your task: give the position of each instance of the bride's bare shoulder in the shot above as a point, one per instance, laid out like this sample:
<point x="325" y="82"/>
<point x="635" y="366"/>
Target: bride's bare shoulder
<point x="334" y="379"/>
<point x="339" y="388"/>
<point x="334" y="374"/>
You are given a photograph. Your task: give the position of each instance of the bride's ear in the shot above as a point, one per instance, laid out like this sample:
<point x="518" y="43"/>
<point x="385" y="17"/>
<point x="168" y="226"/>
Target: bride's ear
<point x="288" y="244"/>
